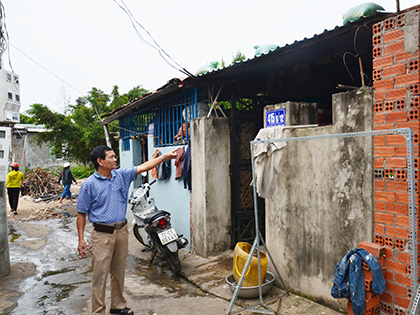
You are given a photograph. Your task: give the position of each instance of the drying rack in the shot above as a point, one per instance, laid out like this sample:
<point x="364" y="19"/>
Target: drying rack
<point x="407" y="133"/>
<point x="256" y="246"/>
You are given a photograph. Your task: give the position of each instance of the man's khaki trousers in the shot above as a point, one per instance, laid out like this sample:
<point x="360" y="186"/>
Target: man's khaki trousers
<point x="109" y="256"/>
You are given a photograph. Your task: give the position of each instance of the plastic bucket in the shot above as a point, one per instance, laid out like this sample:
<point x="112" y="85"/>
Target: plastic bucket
<point x="240" y="256"/>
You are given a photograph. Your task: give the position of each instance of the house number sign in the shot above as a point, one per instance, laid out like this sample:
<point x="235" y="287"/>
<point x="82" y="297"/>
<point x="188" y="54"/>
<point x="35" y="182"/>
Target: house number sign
<point x="275" y="117"/>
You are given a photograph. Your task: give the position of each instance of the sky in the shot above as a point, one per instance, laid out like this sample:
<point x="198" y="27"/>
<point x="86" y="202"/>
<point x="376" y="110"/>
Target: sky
<point x="62" y="49"/>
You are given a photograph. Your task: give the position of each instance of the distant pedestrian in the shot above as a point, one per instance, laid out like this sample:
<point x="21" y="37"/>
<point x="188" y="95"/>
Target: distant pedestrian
<point x="67" y="178"/>
<point x="13" y="183"/>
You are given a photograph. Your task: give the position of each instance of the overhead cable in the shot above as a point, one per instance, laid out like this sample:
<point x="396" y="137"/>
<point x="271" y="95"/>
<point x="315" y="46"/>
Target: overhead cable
<point x="4" y="35"/>
<point x="45" y="69"/>
<point x="153" y="45"/>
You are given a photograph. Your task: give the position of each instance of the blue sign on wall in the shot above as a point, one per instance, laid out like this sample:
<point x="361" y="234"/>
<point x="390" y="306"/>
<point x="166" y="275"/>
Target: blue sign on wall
<point x="275" y="117"/>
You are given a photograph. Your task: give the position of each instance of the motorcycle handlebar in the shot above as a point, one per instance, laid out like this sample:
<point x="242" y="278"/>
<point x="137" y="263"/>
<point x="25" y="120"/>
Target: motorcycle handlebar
<point x="152" y="182"/>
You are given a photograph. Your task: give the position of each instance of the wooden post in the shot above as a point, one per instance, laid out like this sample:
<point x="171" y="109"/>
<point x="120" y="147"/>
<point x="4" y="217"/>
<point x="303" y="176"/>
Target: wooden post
<point x="362" y="74"/>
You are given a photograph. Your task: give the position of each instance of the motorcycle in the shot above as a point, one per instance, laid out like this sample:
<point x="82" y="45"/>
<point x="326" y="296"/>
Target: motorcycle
<point x="153" y="228"/>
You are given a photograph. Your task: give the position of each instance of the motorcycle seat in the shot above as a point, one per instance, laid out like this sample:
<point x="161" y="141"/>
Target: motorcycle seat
<point x="154" y="215"/>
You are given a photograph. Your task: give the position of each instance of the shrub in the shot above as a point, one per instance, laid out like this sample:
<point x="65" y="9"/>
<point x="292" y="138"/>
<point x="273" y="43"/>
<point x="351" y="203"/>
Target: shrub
<point x="79" y="171"/>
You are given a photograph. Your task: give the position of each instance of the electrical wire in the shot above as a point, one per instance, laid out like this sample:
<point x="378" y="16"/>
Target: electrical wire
<point x="34" y="73"/>
<point x="4" y="36"/>
<point x="354" y="55"/>
<point x="153" y="45"/>
<point x="95" y="108"/>
<point x="45" y="68"/>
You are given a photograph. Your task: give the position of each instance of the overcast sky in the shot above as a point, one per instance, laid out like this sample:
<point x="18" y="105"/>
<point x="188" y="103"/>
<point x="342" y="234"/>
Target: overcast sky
<point x="61" y="49"/>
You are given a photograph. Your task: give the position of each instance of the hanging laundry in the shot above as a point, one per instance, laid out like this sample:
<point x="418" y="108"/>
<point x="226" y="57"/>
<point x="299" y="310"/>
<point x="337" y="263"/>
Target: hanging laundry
<point x="154" y="171"/>
<point x="164" y="170"/>
<point x="186" y="167"/>
<point x="349" y="280"/>
<point x="267" y="157"/>
<point x="178" y="162"/>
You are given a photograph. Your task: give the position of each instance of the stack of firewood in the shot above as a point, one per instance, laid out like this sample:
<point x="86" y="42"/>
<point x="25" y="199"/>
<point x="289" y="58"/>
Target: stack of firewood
<point x="40" y="183"/>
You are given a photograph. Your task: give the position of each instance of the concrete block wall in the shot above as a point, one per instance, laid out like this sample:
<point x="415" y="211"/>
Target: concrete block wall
<point x="211" y="199"/>
<point x="322" y="205"/>
<point x="396" y="105"/>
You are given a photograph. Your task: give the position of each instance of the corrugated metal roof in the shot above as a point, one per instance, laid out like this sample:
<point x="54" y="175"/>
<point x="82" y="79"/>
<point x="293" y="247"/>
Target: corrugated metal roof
<point x="300" y="52"/>
<point x="29" y="128"/>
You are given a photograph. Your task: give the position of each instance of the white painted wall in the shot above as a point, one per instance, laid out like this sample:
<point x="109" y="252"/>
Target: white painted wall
<point x="169" y="195"/>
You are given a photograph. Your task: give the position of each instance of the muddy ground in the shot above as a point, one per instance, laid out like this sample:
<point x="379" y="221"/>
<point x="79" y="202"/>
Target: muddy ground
<point x="47" y="276"/>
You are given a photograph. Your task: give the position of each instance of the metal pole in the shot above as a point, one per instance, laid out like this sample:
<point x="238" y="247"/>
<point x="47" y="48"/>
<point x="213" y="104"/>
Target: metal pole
<point x="408" y="135"/>
<point x="248" y="262"/>
<point x="4" y="239"/>
<point x="108" y="141"/>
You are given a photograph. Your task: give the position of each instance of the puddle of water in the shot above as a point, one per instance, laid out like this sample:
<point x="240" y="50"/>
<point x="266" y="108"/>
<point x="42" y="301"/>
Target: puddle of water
<point x="65" y="222"/>
<point x="54" y="272"/>
<point x="159" y="273"/>
<point x="60" y="282"/>
<point x="56" y="293"/>
<point x="13" y="234"/>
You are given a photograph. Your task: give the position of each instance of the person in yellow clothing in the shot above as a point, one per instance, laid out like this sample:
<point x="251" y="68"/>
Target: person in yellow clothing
<point x="13" y="182"/>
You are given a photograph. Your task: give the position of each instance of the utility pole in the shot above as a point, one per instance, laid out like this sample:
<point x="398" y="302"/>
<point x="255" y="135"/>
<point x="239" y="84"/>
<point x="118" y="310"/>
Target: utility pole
<point x="9" y="115"/>
<point x="4" y="235"/>
<point x="5" y="143"/>
<point x="4" y="238"/>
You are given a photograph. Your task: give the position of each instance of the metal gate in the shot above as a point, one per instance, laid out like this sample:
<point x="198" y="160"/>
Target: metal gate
<point x="245" y="124"/>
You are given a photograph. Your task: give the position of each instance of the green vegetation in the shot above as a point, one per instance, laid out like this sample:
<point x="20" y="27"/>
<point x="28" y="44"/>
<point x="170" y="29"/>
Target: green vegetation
<point x="238" y="57"/>
<point x="78" y="171"/>
<point x="75" y="133"/>
<point x="81" y="171"/>
<point x="241" y="104"/>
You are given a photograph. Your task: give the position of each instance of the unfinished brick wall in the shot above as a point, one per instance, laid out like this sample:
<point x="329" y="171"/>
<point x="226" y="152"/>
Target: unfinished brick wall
<point x="396" y="105"/>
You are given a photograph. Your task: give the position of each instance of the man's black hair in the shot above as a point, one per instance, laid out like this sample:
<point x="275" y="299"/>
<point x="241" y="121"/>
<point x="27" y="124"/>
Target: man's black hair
<point x="98" y="153"/>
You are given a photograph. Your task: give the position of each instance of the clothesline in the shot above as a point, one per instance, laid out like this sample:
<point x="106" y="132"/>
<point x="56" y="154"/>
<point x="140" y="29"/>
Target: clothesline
<point x="182" y="164"/>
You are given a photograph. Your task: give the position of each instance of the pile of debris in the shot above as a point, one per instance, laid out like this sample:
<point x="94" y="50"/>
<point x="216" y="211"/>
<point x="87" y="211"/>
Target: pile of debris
<point x="41" y="184"/>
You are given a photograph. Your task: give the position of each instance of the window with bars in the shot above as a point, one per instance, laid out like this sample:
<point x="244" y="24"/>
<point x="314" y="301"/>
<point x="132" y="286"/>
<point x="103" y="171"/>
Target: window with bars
<point x="170" y="121"/>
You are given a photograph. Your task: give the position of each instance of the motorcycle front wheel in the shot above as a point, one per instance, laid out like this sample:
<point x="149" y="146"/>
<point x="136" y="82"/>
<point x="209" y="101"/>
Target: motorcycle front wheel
<point x="138" y="235"/>
<point x="172" y="259"/>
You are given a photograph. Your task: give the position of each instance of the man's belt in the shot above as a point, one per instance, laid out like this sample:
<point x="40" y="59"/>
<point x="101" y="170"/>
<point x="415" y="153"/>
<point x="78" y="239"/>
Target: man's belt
<point x="109" y="228"/>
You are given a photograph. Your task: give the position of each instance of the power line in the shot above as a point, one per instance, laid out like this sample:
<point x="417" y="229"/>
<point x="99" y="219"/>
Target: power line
<point x="4" y="35"/>
<point x="156" y="46"/>
<point x="36" y="74"/>
<point x="45" y="69"/>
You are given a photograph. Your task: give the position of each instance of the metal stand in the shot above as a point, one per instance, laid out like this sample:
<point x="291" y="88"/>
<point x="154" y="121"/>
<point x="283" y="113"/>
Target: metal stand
<point x="266" y="309"/>
<point x="415" y="288"/>
<point x="414" y="304"/>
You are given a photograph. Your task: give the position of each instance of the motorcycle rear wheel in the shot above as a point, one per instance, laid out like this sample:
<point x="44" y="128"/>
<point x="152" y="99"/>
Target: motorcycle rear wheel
<point x="138" y="236"/>
<point x="172" y="259"/>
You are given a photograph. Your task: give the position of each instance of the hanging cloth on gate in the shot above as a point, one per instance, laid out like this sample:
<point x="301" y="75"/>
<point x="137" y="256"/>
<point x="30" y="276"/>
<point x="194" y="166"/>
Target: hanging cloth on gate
<point x="186" y="167"/>
<point x="164" y="170"/>
<point x="154" y="171"/>
<point x="267" y="157"/>
<point x="178" y="162"/>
